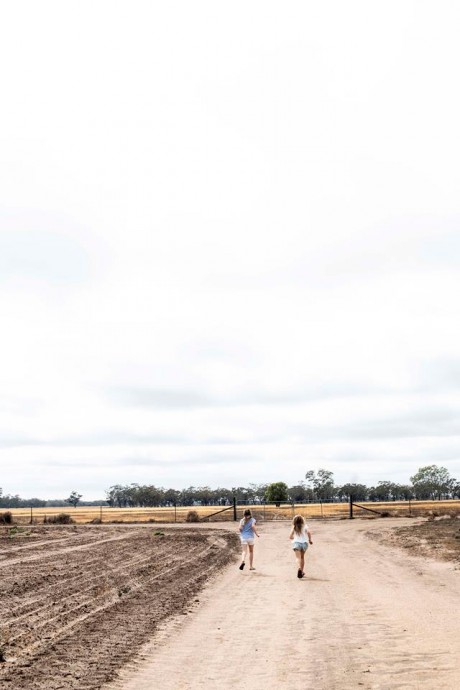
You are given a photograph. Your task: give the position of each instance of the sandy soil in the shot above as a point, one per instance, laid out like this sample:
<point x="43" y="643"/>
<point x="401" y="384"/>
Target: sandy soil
<point x="368" y="615"/>
<point x="123" y="608"/>
<point x="77" y="602"/>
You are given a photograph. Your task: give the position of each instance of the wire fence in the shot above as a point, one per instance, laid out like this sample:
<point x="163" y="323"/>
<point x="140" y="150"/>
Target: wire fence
<point x="261" y="511"/>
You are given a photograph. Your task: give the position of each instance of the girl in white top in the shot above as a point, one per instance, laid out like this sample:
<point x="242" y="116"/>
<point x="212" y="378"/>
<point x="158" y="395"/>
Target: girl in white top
<point x="299" y="535"/>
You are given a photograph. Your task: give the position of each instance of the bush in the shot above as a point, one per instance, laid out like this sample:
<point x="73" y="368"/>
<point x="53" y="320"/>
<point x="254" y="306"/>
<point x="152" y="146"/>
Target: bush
<point x="6" y="518"/>
<point x="192" y="516"/>
<point x="61" y="519"/>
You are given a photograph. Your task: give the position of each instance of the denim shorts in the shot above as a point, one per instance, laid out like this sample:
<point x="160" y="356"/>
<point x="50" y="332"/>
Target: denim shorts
<point x="300" y="546"/>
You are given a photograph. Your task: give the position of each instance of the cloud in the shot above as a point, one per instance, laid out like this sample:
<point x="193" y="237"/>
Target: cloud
<point x="440" y="374"/>
<point x="203" y="266"/>
<point x="420" y="423"/>
<point x="32" y="253"/>
<point x="170" y="399"/>
<point x="158" y="398"/>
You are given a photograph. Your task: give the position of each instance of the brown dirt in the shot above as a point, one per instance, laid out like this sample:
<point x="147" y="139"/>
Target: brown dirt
<point x="367" y="616"/>
<point x="77" y="602"/>
<point x="438" y="538"/>
<point x="91" y="607"/>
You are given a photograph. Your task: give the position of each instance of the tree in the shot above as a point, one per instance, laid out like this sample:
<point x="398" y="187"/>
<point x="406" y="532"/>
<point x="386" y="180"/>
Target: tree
<point x="73" y="499"/>
<point x="203" y="494"/>
<point x="357" y="491"/>
<point x="384" y="491"/>
<point x="300" y="493"/>
<point x="172" y="497"/>
<point x="221" y="497"/>
<point x="432" y="481"/>
<point x="276" y="492"/>
<point x="187" y="496"/>
<point x="322" y="482"/>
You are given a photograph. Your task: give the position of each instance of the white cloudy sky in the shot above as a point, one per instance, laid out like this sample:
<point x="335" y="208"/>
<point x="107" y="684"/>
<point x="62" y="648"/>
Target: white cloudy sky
<point x="229" y="239"/>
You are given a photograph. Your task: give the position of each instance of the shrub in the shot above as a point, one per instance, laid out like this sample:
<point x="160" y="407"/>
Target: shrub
<point x="192" y="516"/>
<point x="61" y="519"/>
<point x="6" y="518"/>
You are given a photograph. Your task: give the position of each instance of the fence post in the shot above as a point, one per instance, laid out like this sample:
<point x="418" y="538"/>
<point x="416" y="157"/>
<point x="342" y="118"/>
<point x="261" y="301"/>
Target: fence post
<point x="234" y="508"/>
<point x="175" y="512"/>
<point x="31" y="516"/>
<point x="351" y="507"/>
<point x="100" y="514"/>
<point x="410" y="509"/>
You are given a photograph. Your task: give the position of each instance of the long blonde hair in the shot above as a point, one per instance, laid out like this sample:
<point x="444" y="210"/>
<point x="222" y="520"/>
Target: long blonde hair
<point x="298" y="523"/>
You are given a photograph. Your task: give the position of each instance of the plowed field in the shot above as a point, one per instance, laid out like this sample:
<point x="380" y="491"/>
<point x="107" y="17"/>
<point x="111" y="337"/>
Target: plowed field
<point x="76" y="602"/>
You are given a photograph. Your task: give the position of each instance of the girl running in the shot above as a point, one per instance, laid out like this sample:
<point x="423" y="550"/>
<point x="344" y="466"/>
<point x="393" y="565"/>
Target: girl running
<point x="247" y="531"/>
<point x="299" y="534"/>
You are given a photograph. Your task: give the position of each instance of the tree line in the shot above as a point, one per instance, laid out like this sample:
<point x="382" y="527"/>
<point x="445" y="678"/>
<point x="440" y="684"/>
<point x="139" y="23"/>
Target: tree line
<point x="430" y="483"/>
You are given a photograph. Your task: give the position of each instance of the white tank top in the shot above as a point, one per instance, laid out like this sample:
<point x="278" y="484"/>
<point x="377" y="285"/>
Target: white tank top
<point x="302" y="537"/>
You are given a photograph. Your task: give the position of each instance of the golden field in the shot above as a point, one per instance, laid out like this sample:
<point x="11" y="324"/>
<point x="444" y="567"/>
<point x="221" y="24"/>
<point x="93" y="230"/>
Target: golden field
<point x="94" y="514"/>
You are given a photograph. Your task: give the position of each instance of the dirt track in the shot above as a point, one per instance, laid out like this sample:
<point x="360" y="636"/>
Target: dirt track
<point x="366" y="616"/>
<point x="82" y="605"/>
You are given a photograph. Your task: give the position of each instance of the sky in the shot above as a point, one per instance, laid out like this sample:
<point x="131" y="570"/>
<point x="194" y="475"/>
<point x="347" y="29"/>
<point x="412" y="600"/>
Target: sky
<point x="229" y="242"/>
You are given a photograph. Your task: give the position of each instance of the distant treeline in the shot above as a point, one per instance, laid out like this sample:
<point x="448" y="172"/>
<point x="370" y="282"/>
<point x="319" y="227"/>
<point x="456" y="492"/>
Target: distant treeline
<point x="428" y="483"/>
<point x="15" y="501"/>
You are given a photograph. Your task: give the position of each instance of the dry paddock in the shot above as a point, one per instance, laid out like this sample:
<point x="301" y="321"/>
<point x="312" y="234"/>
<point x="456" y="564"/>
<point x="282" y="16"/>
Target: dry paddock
<point x="124" y="607"/>
<point x="166" y="515"/>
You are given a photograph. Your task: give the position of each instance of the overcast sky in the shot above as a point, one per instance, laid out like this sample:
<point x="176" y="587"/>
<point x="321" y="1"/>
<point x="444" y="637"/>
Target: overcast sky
<point x="229" y="241"/>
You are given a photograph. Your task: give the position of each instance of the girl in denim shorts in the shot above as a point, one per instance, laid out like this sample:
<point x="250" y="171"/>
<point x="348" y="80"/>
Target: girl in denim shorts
<point x="248" y="532"/>
<point x="301" y="537"/>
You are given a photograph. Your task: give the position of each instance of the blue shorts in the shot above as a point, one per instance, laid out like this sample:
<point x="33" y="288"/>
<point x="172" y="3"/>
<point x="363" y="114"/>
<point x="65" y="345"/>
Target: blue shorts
<point x="300" y="546"/>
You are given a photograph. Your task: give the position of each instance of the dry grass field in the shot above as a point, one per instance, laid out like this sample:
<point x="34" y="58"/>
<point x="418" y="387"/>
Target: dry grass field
<point x="93" y="514"/>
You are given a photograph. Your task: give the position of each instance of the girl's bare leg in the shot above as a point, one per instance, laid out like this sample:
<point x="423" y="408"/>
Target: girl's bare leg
<point x="251" y="554"/>
<point x="244" y="552"/>
<point x="300" y="562"/>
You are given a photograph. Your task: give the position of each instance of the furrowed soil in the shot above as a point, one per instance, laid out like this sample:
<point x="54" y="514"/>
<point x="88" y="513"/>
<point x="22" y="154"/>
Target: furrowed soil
<point x="104" y="607"/>
<point x="76" y="602"/>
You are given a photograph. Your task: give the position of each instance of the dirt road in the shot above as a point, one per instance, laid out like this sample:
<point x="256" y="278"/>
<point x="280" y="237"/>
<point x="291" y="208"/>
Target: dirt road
<point x="367" y="615"/>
